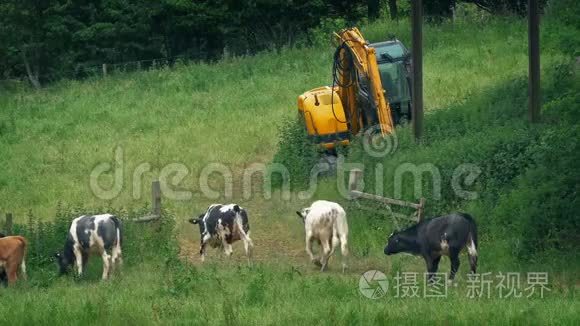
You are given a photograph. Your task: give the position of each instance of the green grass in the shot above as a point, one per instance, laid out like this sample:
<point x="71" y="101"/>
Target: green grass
<point x="229" y="113"/>
<point x="220" y="294"/>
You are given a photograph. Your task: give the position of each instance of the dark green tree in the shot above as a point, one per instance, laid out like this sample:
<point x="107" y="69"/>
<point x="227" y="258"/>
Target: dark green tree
<point x="519" y="7"/>
<point x="374" y="9"/>
<point x="393" y="9"/>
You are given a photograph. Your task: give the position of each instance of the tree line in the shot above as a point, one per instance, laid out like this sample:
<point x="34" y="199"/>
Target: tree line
<point x="44" y="40"/>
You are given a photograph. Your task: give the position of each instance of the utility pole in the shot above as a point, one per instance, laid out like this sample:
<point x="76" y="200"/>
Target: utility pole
<point x="417" y="63"/>
<point x="534" y="61"/>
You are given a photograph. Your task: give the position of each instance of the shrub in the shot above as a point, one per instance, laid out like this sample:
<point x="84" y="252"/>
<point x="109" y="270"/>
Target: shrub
<point x="542" y="210"/>
<point x="296" y="152"/>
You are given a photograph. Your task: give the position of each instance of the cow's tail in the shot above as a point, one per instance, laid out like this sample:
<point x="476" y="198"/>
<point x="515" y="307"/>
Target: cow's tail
<point x="238" y="219"/>
<point x="119" y="228"/>
<point x="239" y="224"/>
<point x="23" y="263"/>
<point x="340" y="236"/>
<point x="472" y="239"/>
<point x="472" y="245"/>
<point x="23" y="267"/>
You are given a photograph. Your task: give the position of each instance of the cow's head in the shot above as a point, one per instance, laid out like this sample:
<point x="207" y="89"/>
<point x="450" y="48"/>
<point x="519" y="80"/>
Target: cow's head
<point x="396" y="243"/>
<point x="199" y="221"/>
<point x="303" y="213"/>
<point x="62" y="262"/>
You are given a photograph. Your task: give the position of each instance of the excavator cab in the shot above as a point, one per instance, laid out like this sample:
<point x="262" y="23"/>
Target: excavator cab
<point x="371" y="89"/>
<point x="394" y="63"/>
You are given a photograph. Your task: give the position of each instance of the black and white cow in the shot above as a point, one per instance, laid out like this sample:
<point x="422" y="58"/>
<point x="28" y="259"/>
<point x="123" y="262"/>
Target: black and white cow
<point x="88" y="234"/>
<point x="222" y="225"/>
<point x="436" y="237"/>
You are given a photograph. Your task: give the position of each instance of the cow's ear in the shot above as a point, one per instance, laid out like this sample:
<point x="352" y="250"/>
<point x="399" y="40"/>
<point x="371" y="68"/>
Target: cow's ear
<point x="299" y="214"/>
<point x="193" y="220"/>
<point x="56" y="255"/>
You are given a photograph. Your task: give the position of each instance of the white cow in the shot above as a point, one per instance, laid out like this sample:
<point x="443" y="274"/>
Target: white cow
<point x="325" y="222"/>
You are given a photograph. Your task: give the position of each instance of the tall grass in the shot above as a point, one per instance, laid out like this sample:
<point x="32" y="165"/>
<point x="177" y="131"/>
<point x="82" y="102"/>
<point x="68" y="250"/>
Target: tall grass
<point x="142" y="242"/>
<point x="220" y="295"/>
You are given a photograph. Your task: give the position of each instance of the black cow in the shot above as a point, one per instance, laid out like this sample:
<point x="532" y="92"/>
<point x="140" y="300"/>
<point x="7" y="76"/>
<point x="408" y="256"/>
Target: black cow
<point x="433" y="238"/>
<point x="221" y="225"/>
<point x="92" y="233"/>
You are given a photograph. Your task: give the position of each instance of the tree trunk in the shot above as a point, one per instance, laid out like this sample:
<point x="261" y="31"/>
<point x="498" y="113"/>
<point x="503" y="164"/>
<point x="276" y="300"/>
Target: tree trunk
<point x="374" y="9"/>
<point x="32" y="77"/>
<point x="393" y="9"/>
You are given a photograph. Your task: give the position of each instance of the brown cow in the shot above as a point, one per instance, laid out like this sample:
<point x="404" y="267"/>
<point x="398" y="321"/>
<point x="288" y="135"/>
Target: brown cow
<point x="12" y="253"/>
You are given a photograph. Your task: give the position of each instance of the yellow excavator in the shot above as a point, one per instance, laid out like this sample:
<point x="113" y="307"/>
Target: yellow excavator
<point x="371" y="91"/>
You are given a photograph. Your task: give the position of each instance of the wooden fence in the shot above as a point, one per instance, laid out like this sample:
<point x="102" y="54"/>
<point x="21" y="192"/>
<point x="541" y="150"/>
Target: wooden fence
<point x="354" y="187"/>
<point x="155" y="210"/>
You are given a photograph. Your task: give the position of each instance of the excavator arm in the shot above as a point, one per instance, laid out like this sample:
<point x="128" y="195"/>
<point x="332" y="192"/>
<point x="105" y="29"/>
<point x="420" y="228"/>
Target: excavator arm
<point x="358" y="68"/>
<point x="356" y="101"/>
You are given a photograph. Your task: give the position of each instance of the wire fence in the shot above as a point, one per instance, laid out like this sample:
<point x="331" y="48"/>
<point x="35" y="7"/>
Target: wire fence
<point x="84" y="71"/>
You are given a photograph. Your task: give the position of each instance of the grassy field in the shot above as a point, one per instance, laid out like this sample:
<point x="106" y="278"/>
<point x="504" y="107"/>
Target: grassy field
<point x="220" y="294"/>
<point x="230" y="113"/>
<point x="199" y="114"/>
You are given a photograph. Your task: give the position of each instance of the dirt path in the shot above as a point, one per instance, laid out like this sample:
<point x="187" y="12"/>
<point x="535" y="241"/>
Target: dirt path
<point x="276" y="239"/>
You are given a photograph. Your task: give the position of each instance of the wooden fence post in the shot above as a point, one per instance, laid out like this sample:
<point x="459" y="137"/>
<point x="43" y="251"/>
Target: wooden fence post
<point x="421" y="210"/>
<point x="8" y="224"/>
<point x="155" y="205"/>
<point x="354" y="181"/>
<point x="156" y="197"/>
<point x="104" y="70"/>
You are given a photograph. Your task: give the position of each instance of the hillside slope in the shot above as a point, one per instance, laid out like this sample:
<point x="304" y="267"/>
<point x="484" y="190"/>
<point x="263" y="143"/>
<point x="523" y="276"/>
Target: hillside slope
<point x="199" y="114"/>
